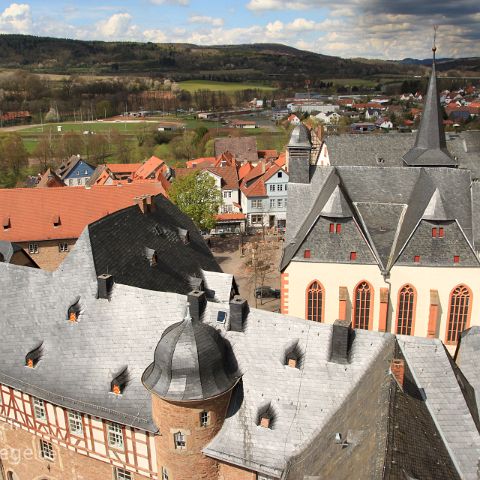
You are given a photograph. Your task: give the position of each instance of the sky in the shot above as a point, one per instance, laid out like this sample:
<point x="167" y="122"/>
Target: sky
<point x="384" y="29"/>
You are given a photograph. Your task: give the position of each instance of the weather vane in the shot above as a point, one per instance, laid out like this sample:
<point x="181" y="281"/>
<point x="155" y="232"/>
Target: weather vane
<point x="434" y="48"/>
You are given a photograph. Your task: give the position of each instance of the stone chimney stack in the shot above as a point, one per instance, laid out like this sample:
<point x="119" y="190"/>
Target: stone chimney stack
<point x="197" y="301"/>
<point x="341" y="337"/>
<point x="299" y="151"/>
<point x="105" y="286"/>
<point x="238" y="313"/>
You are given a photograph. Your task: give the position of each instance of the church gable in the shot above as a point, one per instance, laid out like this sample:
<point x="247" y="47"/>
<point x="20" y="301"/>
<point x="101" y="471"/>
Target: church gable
<point x="335" y="240"/>
<point x="440" y="244"/>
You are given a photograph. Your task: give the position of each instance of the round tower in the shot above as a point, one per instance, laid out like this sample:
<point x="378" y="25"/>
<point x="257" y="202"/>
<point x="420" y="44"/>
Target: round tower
<point x="191" y="379"/>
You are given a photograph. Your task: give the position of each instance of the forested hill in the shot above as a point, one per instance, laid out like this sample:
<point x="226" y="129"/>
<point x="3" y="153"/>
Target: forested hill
<point x="264" y="62"/>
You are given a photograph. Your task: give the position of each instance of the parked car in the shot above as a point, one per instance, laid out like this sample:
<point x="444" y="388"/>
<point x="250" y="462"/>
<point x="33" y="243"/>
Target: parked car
<point x="265" y="292"/>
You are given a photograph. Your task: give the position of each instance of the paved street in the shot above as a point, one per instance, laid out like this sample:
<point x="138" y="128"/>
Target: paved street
<point x="227" y="253"/>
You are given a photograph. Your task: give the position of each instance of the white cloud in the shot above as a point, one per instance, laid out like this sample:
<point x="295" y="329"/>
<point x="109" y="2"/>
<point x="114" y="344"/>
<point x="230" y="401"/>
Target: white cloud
<point x="206" y="20"/>
<point x="173" y="2"/>
<point x="283" y="4"/>
<point x="119" y="25"/>
<point x="16" y="18"/>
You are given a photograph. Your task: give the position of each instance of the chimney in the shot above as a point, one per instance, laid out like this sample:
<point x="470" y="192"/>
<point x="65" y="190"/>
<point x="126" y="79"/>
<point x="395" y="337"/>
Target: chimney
<point x="105" y="285"/>
<point x="197" y="301"/>
<point x="142" y="203"/>
<point x="149" y="203"/>
<point x="397" y="367"/>
<point x="238" y="313"/>
<point x="341" y="334"/>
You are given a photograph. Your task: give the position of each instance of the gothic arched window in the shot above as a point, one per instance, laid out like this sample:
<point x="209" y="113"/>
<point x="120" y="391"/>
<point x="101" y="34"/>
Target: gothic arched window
<point x="458" y="312"/>
<point x="405" y="312"/>
<point x="363" y="306"/>
<point x="315" y="294"/>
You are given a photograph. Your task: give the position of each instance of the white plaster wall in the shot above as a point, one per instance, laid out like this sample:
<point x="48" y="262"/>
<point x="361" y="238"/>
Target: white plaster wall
<point x="332" y="276"/>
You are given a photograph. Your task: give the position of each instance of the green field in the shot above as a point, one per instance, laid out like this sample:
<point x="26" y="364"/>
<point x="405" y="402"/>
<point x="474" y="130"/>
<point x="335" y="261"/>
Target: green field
<point x="99" y="127"/>
<point x="229" y="87"/>
<point x="359" y="82"/>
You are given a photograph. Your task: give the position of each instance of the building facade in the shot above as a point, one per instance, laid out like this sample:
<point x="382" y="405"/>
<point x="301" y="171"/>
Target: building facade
<point x="390" y="248"/>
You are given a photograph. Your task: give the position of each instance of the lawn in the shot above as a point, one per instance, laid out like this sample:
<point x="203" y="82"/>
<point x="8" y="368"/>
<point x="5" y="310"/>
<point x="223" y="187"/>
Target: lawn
<point x="229" y="87"/>
<point x="132" y="127"/>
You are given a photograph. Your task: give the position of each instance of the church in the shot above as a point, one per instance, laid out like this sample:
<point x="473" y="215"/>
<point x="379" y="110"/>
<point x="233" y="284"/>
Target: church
<point x="391" y="246"/>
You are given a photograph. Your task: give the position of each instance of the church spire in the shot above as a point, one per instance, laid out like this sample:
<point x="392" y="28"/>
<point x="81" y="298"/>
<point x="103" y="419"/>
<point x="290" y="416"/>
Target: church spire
<point x="430" y="149"/>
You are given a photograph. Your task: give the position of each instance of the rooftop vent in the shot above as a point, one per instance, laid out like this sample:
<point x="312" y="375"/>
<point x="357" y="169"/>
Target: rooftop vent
<point x="184" y="235"/>
<point x="238" y="313"/>
<point x="105" y="286"/>
<point x="145" y="203"/>
<point x="120" y="382"/>
<point x="397" y="369"/>
<point x="342" y="336"/>
<point x="151" y="256"/>
<point x="6" y="223"/>
<point x="33" y="357"/>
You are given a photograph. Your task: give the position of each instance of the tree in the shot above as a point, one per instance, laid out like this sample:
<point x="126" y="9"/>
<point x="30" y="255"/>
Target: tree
<point x="183" y="147"/>
<point x="197" y="196"/>
<point x="14" y="156"/>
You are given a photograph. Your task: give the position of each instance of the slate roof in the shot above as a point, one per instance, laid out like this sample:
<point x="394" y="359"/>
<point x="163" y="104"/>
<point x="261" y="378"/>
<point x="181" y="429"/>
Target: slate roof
<point x="120" y="239"/>
<point x="7" y="250"/>
<point x="191" y="363"/>
<point x="430" y="148"/>
<point x="32" y="210"/>
<point x="389" y="205"/>
<point x="68" y="165"/>
<point x="300" y="137"/>
<point x="124" y="331"/>
<point x="432" y="371"/>
<point x="468" y="358"/>
<point x="228" y="174"/>
<point x="50" y="179"/>
<point x="244" y="149"/>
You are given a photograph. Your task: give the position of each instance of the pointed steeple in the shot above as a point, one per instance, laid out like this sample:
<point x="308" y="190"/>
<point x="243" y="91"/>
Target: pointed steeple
<point x="336" y="206"/>
<point x="430" y="148"/>
<point x="436" y="209"/>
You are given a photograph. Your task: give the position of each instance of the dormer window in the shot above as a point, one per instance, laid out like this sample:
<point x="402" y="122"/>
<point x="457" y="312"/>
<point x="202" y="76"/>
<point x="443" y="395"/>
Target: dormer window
<point x="306" y="253"/>
<point x="33" y="357"/>
<point x="456" y="259"/>
<point x="266" y="417"/>
<point x="6" y="223"/>
<point x="293" y="356"/>
<point x="151" y="256"/>
<point x="184" y="235"/>
<point x="74" y="311"/>
<point x="56" y="221"/>
<point x="438" y="232"/>
<point x="120" y="381"/>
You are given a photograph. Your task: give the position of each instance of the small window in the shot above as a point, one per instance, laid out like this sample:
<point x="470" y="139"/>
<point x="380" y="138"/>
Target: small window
<point x="434" y="232"/>
<point x="280" y="203"/>
<point x="75" y="423"/>
<point x="179" y="440"/>
<point x="115" y="435"/>
<point x="120" y="382"/>
<point x="39" y="409"/>
<point x="272" y="188"/>
<point x="122" y="474"/>
<point x="46" y="450"/>
<point x="332" y="228"/>
<point x="204" y="419"/>
<point x="338" y="228"/>
<point x="456" y="259"/>
<point x="63" y="247"/>
<point x="272" y="203"/>
<point x="6" y="223"/>
<point x="279" y="174"/>
<point x="416" y="258"/>
<point x="221" y="316"/>
<point x="306" y="254"/>
<point x="164" y="473"/>
<point x="353" y="256"/>
<point x="280" y="188"/>
<point x="79" y="181"/>
<point x="34" y="356"/>
<point x="33" y="248"/>
<point x="441" y="232"/>
<point x="74" y="310"/>
<point x="56" y="221"/>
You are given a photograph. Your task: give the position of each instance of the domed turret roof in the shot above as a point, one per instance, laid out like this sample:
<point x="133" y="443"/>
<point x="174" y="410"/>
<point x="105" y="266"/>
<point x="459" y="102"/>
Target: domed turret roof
<point x="192" y="361"/>
<point x="300" y="137"/>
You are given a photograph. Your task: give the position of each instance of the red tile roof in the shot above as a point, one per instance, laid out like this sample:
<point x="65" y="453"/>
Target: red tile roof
<point x="200" y="161"/>
<point x="123" y="167"/>
<point x="229" y="176"/>
<point x="256" y="189"/>
<point x="149" y="167"/>
<point x="230" y="216"/>
<point x="31" y="210"/>
<point x="244" y="170"/>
